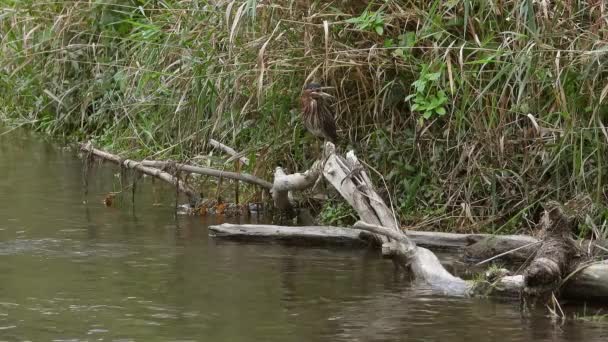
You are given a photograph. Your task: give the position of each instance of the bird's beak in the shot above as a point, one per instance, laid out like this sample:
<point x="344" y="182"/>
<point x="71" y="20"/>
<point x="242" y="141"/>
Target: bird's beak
<point x="324" y="94"/>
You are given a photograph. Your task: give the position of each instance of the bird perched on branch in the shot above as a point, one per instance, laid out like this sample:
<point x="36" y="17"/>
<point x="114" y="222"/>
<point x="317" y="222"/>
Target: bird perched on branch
<point x="317" y="114"/>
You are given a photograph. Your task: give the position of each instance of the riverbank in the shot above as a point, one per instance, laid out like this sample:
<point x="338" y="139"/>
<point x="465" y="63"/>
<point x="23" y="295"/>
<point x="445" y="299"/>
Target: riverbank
<point x="474" y="114"/>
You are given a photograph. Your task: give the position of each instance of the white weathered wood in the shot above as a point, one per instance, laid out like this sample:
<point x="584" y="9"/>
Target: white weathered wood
<point x="589" y="282"/>
<point x="378" y="230"/>
<point x="206" y="171"/>
<point x="295" y="181"/>
<point x="432" y="240"/>
<point x="347" y="176"/>
<point x="229" y="150"/>
<point x="383" y="212"/>
<point x="350" y="179"/>
<point x="310" y="235"/>
<point x="508" y="286"/>
<point x="428" y="269"/>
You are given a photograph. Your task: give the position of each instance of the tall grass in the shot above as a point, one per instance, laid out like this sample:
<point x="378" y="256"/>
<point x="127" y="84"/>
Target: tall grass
<point x="475" y="111"/>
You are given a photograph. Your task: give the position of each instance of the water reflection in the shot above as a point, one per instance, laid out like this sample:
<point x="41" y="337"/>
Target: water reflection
<point x="136" y="272"/>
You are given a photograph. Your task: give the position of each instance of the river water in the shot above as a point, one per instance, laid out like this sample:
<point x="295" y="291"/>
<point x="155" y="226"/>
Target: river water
<point x="71" y="271"/>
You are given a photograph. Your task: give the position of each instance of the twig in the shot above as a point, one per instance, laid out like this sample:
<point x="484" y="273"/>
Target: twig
<point x="244" y="177"/>
<point x="508" y="252"/>
<point x="380" y="230"/>
<point x="229" y="150"/>
<point x="192" y="194"/>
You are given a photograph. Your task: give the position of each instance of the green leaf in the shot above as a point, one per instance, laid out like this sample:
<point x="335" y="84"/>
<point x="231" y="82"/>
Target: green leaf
<point x="410" y="39"/>
<point x="423" y="106"/>
<point x="427" y="114"/>
<point x="380" y="30"/>
<point x="419" y="85"/>
<point x="354" y="20"/>
<point x="434" y="76"/>
<point x="441" y="111"/>
<point x="435" y="102"/>
<point x="398" y="53"/>
<point x="409" y="97"/>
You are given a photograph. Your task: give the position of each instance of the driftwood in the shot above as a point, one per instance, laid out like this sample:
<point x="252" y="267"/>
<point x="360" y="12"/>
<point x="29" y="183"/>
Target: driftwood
<point x="547" y="272"/>
<point x="184" y="188"/>
<point x="284" y="185"/>
<point x="432" y="240"/>
<point x="309" y="235"/>
<point x="588" y="282"/>
<point x="158" y="169"/>
<point x="348" y="176"/>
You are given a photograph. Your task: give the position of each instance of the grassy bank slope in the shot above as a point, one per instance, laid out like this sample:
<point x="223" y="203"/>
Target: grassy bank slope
<point x="475" y="111"/>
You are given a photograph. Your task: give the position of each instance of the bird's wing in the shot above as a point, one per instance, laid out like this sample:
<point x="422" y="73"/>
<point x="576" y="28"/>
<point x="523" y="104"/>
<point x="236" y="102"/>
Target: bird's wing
<point x="328" y="122"/>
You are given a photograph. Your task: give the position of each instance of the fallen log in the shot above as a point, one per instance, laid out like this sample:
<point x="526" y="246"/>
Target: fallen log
<point x="348" y="176"/>
<point x="432" y="240"/>
<point x="284" y="184"/>
<point x="309" y="235"/>
<point x="588" y="282"/>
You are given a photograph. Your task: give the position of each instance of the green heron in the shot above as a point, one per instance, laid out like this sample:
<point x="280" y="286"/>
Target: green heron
<point x="317" y="114"/>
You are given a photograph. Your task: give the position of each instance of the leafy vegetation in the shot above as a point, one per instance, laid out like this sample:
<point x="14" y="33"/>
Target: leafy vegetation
<point x="337" y="214"/>
<point x="475" y="111"/>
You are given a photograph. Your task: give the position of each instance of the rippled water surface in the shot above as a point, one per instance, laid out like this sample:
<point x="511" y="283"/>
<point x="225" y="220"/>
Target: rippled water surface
<point x="71" y="271"/>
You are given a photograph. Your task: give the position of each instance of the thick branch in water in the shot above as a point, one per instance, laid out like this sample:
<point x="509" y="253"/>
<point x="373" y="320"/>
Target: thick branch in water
<point x="588" y="282"/>
<point x="552" y="261"/>
<point x="349" y="177"/>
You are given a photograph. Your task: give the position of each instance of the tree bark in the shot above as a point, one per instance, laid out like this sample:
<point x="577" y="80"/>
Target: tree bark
<point x="555" y="256"/>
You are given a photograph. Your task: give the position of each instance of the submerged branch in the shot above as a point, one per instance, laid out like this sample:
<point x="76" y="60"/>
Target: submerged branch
<point x="153" y="166"/>
<point x="184" y="188"/>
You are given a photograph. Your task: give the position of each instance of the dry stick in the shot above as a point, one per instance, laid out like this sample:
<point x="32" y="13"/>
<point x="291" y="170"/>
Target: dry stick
<point x="229" y="150"/>
<point x="237" y="165"/>
<point x="243" y="177"/>
<point x="235" y="156"/>
<point x="508" y="252"/>
<point x="380" y="230"/>
<point x="154" y="172"/>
